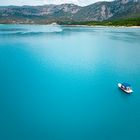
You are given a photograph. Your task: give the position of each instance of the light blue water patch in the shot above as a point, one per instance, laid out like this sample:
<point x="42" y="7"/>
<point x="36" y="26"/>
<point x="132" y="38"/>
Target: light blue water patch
<point x="60" y="83"/>
<point x="20" y="29"/>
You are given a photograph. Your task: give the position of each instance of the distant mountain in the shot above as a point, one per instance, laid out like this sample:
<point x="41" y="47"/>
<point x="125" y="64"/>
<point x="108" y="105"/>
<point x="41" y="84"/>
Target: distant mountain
<point x="109" y="10"/>
<point x="100" y="11"/>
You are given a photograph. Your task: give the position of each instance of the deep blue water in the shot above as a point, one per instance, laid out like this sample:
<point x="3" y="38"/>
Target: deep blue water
<point x="60" y="83"/>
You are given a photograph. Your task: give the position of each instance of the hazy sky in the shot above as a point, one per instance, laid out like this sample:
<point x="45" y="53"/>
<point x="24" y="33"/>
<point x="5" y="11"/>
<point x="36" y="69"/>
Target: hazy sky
<point x="42" y="2"/>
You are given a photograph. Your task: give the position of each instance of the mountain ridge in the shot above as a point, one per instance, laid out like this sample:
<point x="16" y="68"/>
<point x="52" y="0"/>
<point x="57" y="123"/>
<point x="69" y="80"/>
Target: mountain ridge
<point x="45" y="14"/>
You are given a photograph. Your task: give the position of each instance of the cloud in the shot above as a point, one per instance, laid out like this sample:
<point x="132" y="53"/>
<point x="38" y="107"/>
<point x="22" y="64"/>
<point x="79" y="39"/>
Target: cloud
<point x="42" y="2"/>
<point x="60" y="1"/>
<point x="79" y="2"/>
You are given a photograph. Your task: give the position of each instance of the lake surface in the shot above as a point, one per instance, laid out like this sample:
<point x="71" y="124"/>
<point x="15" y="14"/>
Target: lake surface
<point x="60" y="83"/>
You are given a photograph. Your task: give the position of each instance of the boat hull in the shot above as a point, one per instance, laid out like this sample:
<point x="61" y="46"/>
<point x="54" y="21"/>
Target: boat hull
<point x="126" y="91"/>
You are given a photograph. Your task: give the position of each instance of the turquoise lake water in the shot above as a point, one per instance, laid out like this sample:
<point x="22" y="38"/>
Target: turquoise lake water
<point x="60" y="83"/>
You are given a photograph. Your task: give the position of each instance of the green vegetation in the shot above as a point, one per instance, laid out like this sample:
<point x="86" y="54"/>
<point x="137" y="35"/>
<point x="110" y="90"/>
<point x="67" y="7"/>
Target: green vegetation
<point x="37" y="20"/>
<point x="121" y="22"/>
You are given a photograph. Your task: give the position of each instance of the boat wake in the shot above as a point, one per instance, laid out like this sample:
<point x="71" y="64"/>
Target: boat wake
<point x="29" y="29"/>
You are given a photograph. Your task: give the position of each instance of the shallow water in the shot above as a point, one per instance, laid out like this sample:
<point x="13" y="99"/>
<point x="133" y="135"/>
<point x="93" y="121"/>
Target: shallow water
<point x="60" y="83"/>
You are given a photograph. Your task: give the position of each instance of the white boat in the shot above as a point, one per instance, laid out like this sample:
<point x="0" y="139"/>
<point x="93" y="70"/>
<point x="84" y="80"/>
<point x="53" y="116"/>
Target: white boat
<point x="125" y="87"/>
